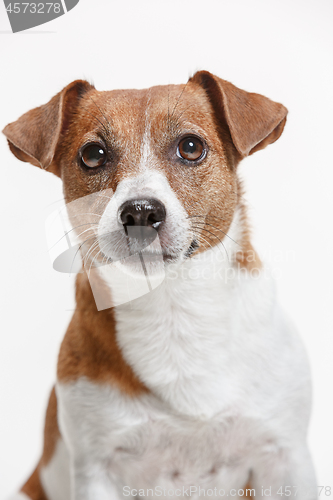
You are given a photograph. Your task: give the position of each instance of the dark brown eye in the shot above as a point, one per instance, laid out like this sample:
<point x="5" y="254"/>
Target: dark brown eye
<point x="190" y="148"/>
<point x="93" y="155"/>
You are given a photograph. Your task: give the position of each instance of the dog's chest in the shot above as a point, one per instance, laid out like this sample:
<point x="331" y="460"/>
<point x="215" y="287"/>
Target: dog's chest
<point x="198" y="425"/>
<point x="173" y="452"/>
<point x="189" y="339"/>
<point x="143" y="444"/>
<point x="175" y="355"/>
<point x="189" y="342"/>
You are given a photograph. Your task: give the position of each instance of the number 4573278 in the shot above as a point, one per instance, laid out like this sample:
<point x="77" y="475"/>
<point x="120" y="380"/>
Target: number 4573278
<point x="33" y="8"/>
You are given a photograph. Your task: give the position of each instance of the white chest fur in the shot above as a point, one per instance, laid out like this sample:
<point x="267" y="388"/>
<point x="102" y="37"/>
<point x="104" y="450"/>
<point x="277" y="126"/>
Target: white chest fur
<point x="143" y="444"/>
<point x="228" y="381"/>
<point x="208" y="337"/>
<point x="189" y="338"/>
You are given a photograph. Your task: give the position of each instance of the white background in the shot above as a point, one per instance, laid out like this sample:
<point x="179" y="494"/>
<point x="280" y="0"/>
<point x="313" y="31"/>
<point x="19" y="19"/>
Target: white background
<point x="280" y="48"/>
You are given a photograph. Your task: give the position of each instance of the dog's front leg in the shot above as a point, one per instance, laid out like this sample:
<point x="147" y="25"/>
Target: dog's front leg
<point x="84" y="424"/>
<point x="288" y="474"/>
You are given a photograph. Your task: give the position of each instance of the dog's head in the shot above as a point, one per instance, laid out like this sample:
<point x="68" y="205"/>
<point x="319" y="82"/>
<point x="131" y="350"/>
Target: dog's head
<point x="158" y="162"/>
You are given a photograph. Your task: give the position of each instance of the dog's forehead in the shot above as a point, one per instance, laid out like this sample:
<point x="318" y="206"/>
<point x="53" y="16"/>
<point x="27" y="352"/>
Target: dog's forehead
<point x="133" y="110"/>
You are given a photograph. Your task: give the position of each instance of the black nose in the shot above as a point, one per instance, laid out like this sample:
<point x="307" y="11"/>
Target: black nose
<point x="145" y="212"/>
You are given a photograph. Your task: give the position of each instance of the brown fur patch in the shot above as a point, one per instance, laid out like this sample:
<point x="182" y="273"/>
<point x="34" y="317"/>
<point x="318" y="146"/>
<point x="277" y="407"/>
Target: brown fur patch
<point x="33" y="487"/>
<point x="246" y="257"/>
<point x="90" y="349"/>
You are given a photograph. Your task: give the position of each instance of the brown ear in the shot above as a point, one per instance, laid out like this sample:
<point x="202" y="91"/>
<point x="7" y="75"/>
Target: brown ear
<point x="35" y="135"/>
<point x="254" y="121"/>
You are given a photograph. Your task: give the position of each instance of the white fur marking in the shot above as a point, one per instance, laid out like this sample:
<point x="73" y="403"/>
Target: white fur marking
<point x="175" y="236"/>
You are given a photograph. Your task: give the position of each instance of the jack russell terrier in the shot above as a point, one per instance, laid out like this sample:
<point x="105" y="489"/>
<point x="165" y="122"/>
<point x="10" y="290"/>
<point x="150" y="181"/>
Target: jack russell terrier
<point x="200" y="387"/>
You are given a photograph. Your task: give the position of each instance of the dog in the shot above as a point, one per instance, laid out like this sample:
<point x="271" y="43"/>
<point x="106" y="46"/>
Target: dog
<point x="200" y="386"/>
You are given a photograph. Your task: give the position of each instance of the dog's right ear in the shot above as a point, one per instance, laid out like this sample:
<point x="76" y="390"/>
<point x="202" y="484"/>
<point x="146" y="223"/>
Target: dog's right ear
<point x="34" y="136"/>
<point x="254" y="121"/>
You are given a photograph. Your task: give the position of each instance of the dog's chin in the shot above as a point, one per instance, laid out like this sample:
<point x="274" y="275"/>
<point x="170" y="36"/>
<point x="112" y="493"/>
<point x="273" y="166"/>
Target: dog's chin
<point x="146" y="265"/>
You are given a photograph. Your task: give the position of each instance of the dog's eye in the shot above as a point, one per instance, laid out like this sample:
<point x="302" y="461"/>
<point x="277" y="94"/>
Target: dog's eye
<point x="190" y="148"/>
<point x="93" y="155"/>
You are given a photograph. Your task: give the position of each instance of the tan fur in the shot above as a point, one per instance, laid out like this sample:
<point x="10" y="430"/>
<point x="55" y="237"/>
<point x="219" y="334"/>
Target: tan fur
<point x="246" y="258"/>
<point x="90" y="348"/>
<point x="33" y="487"/>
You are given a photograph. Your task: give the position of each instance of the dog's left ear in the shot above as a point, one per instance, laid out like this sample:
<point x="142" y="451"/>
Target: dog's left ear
<point x="254" y="121"/>
<point x="35" y="135"/>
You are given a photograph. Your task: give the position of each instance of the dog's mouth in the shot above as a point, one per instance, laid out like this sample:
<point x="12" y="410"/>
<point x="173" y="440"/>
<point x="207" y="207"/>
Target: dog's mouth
<point x="156" y="257"/>
<point x="137" y="248"/>
<point x="150" y="256"/>
<point x="145" y="241"/>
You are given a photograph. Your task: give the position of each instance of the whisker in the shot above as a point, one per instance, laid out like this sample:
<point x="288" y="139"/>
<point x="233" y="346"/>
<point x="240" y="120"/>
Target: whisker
<point x="78" y="249"/>
<point x="210" y="232"/>
<point x="105" y="118"/>
<point x="198" y="236"/>
<point x="101" y="251"/>
<point x="105" y="246"/>
<point x="217" y="229"/>
<point x="201" y="237"/>
<point x="70" y="230"/>
<point x="168" y="104"/>
<point x="180" y="96"/>
<point x="181" y="114"/>
<point x="214" y="217"/>
<point x="86" y="213"/>
<point x="91" y="249"/>
<point x="205" y="240"/>
<point x="92" y="262"/>
<point x="107" y="132"/>
<point x="54" y="202"/>
<point x="99" y="121"/>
